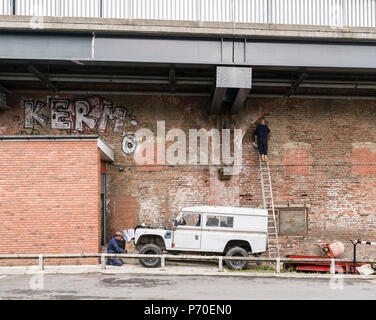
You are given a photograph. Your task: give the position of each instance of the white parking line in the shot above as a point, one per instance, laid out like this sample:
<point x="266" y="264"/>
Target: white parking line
<point x="2" y="277"/>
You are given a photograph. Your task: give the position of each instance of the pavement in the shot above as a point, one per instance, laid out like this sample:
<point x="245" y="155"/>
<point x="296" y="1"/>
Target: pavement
<point x="178" y="288"/>
<point x="171" y="268"/>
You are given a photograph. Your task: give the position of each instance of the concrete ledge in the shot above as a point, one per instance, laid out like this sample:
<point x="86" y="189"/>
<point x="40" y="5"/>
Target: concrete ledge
<point x="187" y="28"/>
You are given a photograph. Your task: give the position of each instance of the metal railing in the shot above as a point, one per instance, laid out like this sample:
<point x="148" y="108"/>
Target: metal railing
<point x="164" y="257"/>
<point x="336" y="13"/>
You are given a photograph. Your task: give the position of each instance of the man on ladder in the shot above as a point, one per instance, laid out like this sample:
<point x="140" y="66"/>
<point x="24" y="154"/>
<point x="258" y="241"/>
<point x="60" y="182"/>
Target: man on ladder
<point x="261" y="140"/>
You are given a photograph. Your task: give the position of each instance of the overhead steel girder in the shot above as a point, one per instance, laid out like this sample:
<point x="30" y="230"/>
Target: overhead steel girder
<point x="219" y="52"/>
<point x="138" y="49"/>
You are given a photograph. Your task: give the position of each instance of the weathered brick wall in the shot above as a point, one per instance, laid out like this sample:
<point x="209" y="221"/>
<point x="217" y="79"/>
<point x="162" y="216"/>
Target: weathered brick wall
<point x="49" y="197"/>
<point x="321" y="152"/>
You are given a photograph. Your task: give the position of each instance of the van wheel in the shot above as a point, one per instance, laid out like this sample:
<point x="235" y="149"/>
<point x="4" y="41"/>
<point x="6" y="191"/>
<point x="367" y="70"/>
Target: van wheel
<point x="236" y="264"/>
<point x="150" y="248"/>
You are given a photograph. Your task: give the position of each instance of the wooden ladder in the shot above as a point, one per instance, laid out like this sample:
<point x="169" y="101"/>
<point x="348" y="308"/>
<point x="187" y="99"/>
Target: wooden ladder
<point x="267" y="198"/>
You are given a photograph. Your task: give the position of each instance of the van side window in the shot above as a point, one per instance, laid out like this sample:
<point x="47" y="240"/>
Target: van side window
<point x="190" y="220"/>
<point x="212" y="221"/>
<point x="227" y="222"/>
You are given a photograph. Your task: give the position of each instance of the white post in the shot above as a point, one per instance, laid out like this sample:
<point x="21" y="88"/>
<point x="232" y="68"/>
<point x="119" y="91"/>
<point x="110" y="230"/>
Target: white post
<point x="163" y="263"/>
<point x="332" y="266"/>
<point x="278" y="265"/>
<point x="103" y="261"/>
<point x="220" y="264"/>
<point x="41" y="262"/>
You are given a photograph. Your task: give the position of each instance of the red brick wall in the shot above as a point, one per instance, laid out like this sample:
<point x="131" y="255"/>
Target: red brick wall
<point x="297" y="158"/>
<point x="321" y="154"/>
<point x="362" y="155"/>
<point x="49" y="197"/>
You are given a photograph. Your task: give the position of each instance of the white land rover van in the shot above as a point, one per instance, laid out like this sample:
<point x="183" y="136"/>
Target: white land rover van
<point x="230" y="231"/>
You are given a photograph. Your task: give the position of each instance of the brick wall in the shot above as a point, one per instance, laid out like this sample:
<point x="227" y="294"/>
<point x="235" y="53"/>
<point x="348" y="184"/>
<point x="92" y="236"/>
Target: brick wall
<point x="49" y="197"/>
<point x="321" y="153"/>
<point x="322" y="156"/>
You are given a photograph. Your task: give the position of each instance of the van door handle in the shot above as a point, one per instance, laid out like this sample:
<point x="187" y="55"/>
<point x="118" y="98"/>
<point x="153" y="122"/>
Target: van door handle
<point x="196" y="237"/>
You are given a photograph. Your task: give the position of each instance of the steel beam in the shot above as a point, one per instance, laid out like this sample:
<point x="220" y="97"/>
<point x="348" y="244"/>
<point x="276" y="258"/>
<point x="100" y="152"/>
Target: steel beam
<point x="216" y="103"/>
<point x="172" y="79"/>
<point x="185" y="50"/>
<point x="297" y="83"/>
<point x="162" y="50"/>
<point x="46" y="46"/>
<point x="204" y="81"/>
<point x="42" y="78"/>
<point x="311" y="54"/>
<point x="5" y="90"/>
<point x="239" y="100"/>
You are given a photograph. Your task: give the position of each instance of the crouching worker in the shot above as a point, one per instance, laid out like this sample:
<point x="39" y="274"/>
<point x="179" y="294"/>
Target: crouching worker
<point x="113" y="247"/>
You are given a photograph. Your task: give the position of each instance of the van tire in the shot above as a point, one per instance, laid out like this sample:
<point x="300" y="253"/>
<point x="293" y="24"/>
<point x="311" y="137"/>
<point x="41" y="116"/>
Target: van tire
<point x="236" y="252"/>
<point x="150" y="248"/>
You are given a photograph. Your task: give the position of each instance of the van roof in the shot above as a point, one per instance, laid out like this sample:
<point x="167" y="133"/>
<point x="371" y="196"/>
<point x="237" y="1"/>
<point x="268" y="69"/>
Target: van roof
<point x="226" y="210"/>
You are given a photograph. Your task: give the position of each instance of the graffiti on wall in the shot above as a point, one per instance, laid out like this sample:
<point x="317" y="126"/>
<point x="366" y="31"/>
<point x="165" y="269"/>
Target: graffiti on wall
<point x="88" y="115"/>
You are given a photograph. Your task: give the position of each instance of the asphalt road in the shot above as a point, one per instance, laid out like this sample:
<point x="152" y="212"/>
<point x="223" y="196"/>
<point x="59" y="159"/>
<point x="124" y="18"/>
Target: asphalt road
<point x="163" y="287"/>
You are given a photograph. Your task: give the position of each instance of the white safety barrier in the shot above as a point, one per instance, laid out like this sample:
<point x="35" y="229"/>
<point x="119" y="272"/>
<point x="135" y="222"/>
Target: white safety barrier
<point x="102" y="257"/>
<point x="336" y="13"/>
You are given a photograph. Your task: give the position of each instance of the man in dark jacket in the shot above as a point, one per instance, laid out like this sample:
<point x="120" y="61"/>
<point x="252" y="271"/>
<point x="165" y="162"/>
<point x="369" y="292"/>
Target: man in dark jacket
<point x="261" y="139"/>
<point x="113" y="247"/>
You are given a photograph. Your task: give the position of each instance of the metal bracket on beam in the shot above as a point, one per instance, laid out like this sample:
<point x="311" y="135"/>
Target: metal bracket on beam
<point x="5" y="90"/>
<point x="217" y="100"/>
<point x="4" y="101"/>
<point x="4" y="94"/>
<point x="42" y="78"/>
<point x="172" y="79"/>
<point x="239" y="100"/>
<point x="297" y="83"/>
